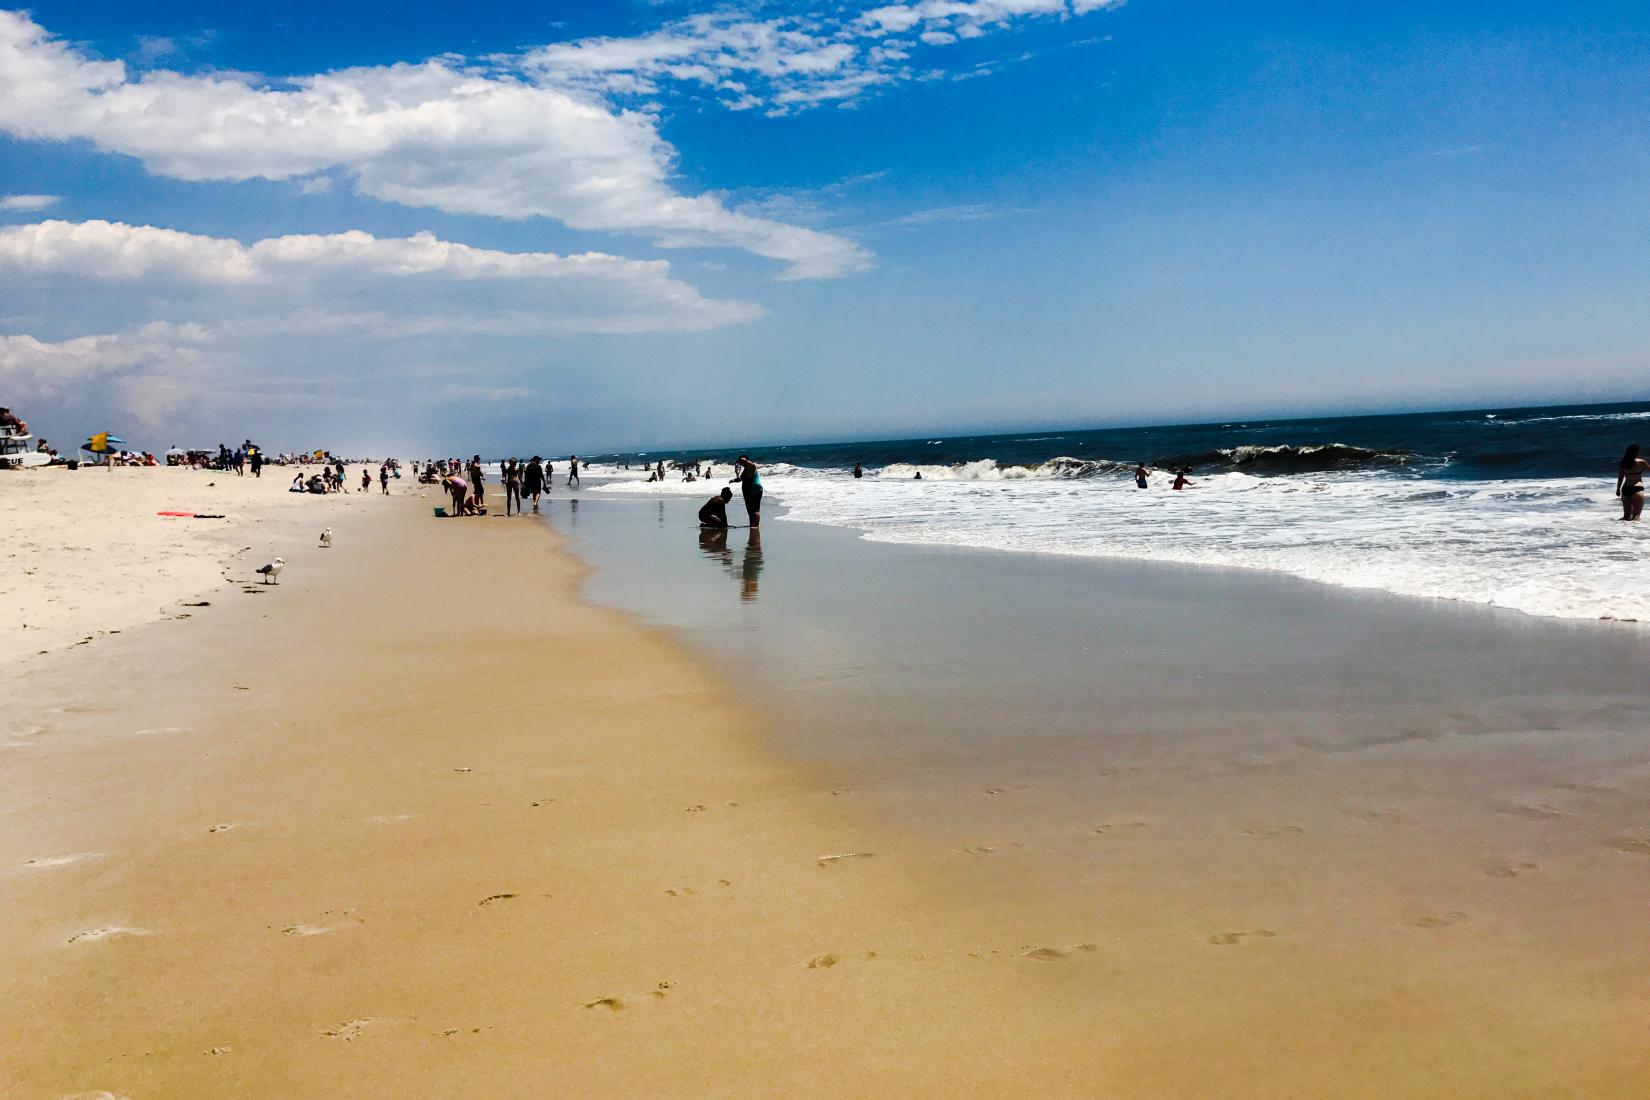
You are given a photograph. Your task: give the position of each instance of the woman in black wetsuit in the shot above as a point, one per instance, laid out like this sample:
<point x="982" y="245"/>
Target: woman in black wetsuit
<point x="750" y="487"/>
<point x="1630" y="482"/>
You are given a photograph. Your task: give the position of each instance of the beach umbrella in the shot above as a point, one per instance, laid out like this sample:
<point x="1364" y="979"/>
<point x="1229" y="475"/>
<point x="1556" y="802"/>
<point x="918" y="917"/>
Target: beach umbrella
<point x="102" y="443"/>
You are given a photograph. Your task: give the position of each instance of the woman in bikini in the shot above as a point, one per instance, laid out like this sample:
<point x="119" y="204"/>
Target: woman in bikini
<point x="1630" y="482"/>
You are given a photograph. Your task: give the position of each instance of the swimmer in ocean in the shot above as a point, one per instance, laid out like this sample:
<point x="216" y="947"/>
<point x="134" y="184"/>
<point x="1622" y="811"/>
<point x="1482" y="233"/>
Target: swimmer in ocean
<point x="1630" y="482"/>
<point x="1141" y="473"/>
<point x="1181" y="481"/>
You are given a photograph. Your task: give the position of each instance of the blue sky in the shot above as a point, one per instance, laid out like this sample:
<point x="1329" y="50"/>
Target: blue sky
<point x="649" y="224"/>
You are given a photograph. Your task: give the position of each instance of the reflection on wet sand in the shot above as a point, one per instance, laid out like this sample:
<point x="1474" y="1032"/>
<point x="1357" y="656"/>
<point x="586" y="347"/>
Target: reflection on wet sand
<point x="747" y="568"/>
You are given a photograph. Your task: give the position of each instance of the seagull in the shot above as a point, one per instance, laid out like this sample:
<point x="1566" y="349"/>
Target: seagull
<point x="272" y="570"/>
<point x="326" y="536"/>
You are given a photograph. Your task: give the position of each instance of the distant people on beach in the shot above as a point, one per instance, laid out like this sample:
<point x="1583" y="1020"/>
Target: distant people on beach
<point x="1141" y="473"/>
<point x="573" y="472"/>
<point x="477" y="481"/>
<point x="750" y="487"/>
<point x="384" y="478"/>
<point x="1630" y="482"/>
<point x="532" y="481"/>
<point x="714" y="512"/>
<point x="1181" y="481"/>
<point x="257" y="464"/>
<point x="297" y="485"/>
<point x="366" y="479"/>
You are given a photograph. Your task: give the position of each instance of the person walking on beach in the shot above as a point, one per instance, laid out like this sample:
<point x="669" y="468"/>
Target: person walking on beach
<point x="573" y="471"/>
<point x="477" y="485"/>
<point x="714" y="512"/>
<point x="512" y="487"/>
<point x="1141" y="473"/>
<point x="1630" y="482"/>
<point x="532" y="481"/>
<point x="384" y="478"/>
<point x="257" y="464"/>
<point x="750" y="487"/>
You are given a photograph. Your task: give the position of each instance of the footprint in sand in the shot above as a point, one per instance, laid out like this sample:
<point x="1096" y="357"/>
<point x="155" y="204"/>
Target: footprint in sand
<point x="827" y="861"/>
<point x="1378" y="815"/>
<point x="1117" y="826"/>
<point x="1054" y="954"/>
<point x="1228" y="939"/>
<point x="41" y="863"/>
<point x="1273" y="834"/>
<point x="1511" y="869"/>
<point x="489" y="899"/>
<point x="92" y="935"/>
<point x="1636" y="845"/>
<point x="1538" y="812"/>
<point x="159" y="731"/>
<point x="219" y="1050"/>
<point x="611" y="1003"/>
<point x="696" y="808"/>
<point x="228" y="825"/>
<point x="350" y="1029"/>
<point x="661" y="990"/>
<point x="1444" y="920"/>
<point x="822" y="962"/>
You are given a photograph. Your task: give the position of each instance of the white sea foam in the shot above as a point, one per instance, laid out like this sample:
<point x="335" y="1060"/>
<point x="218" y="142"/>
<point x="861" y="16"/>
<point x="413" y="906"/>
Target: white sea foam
<point x="1545" y="547"/>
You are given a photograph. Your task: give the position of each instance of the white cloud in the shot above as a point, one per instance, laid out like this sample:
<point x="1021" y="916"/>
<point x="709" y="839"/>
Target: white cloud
<point x="787" y="63"/>
<point x="588" y="292"/>
<point x="28" y="203"/>
<point x="437" y="134"/>
<point x="43" y="368"/>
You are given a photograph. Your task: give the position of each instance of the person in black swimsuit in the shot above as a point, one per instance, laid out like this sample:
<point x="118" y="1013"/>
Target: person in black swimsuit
<point x="750" y="487"/>
<point x="532" y="481"/>
<point x="714" y="512"/>
<point x="1630" y="482"/>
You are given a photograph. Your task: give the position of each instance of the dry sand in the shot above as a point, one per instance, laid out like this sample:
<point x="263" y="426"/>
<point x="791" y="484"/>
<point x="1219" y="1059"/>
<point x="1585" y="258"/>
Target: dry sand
<point x="419" y="823"/>
<point x="85" y="552"/>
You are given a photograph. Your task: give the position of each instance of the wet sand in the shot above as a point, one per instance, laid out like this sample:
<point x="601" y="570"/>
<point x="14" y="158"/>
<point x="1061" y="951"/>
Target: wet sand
<point x="1327" y="843"/>
<point x="417" y="822"/>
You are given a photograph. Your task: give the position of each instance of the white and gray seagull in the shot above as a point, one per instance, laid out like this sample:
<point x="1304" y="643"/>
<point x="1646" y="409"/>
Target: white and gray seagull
<point x="326" y="536"/>
<point x="272" y="570"/>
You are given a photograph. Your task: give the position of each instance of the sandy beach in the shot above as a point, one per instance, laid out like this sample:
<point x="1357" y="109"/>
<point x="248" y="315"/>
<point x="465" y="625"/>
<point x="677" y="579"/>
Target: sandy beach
<point x="420" y="820"/>
<point x="417" y="822"/>
<point x="88" y="552"/>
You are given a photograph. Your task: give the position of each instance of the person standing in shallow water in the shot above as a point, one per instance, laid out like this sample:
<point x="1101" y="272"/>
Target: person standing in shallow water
<point x="1630" y="482"/>
<point x="532" y="481"/>
<point x="750" y="487"/>
<point x="1141" y="473"/>
<point x="573" y="471"/>
<point x="512" y="487"/>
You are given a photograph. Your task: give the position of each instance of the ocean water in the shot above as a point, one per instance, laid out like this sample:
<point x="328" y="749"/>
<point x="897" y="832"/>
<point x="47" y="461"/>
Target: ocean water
<point x="1512" y="507"/>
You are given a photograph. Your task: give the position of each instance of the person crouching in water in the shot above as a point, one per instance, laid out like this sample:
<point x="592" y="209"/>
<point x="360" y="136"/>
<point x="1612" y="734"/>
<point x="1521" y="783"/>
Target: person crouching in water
<point x="714" y="512"/>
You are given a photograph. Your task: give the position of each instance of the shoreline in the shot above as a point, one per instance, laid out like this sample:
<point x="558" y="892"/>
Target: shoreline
<point x="1402" y="833"/>
<point x="390" y="833"/>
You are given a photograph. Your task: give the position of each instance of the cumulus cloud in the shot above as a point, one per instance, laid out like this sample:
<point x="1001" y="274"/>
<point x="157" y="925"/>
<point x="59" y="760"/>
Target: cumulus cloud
<point x="589" y="292"/>
<point x="442" y="134"/>
<point x="44" y="368"/>
<point x="28" y="203"/>
<point x="788" y="63"/>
